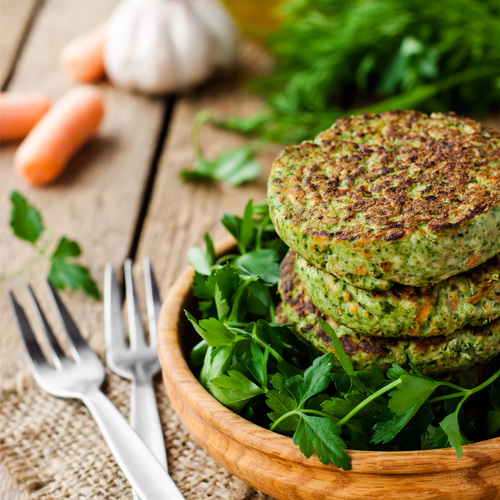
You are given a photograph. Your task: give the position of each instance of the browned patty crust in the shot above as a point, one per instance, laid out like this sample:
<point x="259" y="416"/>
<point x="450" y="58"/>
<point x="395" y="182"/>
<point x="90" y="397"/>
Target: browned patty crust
<point x="438" y="355"/>
<point x="394" y="197"/>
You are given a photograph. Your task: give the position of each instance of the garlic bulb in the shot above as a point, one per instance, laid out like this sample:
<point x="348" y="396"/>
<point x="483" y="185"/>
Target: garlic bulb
<point x="161" y="46"/>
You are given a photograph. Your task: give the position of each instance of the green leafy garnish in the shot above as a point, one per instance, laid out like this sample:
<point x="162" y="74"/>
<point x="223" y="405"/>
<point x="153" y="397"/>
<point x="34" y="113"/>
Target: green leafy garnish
<point x="26" y="223"/>
<point x="234" y="166"/>
<point x="265" y="371"/>
<point x="25" y="219"/>
<point x="340" y="58"/>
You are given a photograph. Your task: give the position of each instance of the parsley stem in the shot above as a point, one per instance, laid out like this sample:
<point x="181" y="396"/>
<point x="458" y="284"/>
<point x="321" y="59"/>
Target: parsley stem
<point x="485" y="383"/>
<point x="368" y="400"/>
<point x="316" y="412"/>
<point x="225" y="259"/>
<point x="40" y="253"/>
<point x="298" y="412"/>
<point x="236" y="303"/>
<point x="200" y="119"/>
<point x="283" y="417"/>
<point x="447" y="396"/>
<point x="260" y="230"/>
<point x="465" y="392"/>
<point x="272" y="351"/>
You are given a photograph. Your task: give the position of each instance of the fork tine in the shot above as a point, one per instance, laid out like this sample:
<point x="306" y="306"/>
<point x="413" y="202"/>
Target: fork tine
<point x="76" y="342"/>
<point x="35" y="354"/>
<point x="153" y="300"/>
<point x="135" y="328"/>
<point x="56" y="353"/>
<point x="114" y="330"/>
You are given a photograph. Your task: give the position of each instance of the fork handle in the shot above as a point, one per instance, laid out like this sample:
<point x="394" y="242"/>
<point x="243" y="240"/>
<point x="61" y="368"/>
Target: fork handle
<point x="144" y="417"/>
<point x="145" y="420"/>
<point x="140" y="467"/>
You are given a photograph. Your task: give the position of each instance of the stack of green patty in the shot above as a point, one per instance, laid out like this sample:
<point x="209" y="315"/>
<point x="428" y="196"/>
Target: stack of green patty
<point x="393" y="221"/>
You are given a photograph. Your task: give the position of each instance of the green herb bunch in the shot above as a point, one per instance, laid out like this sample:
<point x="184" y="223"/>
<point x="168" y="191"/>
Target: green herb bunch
<point x="337" y="58"/>
<point x="266" y="373"/>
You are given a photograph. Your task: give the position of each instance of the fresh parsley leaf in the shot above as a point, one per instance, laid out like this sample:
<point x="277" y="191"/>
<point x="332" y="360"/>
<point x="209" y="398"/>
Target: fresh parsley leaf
<point x="246" y="228"/>
<point x="200" y="260"/>
<point x="217" y="362"/>
<point x="360" y="432"/>
<point x="25" y="219"/>
<point x="321" y="434"/>
<point x="245" y="125"/>
<point x="410" y="437"/>
<point x="234" y="166"/>
<point x="26" y="223"/>
<point x="492" y="422"/>
<point x="435" y="437"/>
<point x="281" y="403"/>
<point x="395" y="372"/>
<point x="262" y="263"/>
<point x="259" y="299"/>
<point x="197" y="355"/>
<point x="315" y="380"/>
<point x="339" y="407"/>
<point x="345" y="362"/>
<point x="257" y="363"/>
<point x="66" y="248"/>
<point x="63" y="273"/>
<point x="413" y="390"/>
<point x="387" y="430"/>
<point x="451" y="428"/>
<point x="234" y="390"/>
<point x="372" y="379"/>
<point x="212" y="331"/>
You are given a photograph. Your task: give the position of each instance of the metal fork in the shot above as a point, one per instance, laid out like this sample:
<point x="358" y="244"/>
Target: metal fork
<point x="81" y="378"/>
<point x="139" y="362"/>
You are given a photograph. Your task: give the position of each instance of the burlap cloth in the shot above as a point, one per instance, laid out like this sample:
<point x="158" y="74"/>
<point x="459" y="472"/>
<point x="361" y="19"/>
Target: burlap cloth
<point x="54" y="450"/>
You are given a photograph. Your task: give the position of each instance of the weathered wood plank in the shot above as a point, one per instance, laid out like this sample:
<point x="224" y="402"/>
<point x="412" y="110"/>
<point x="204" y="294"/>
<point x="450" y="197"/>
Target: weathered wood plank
<point x="15" y="17"/>
<point x="181" y="212"/>
<point x="95" y="202"/>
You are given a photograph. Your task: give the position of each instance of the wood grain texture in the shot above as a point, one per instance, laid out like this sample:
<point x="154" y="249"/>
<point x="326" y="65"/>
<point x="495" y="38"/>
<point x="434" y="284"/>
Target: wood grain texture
<point x="97" y="199"/>
<point x="180" y="212"/>
<point x="275" y="466"/>
<point x="15" y="16"/>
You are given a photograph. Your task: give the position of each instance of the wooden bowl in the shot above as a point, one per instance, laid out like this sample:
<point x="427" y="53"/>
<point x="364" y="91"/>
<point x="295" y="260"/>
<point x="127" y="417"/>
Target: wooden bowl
<point x="274" y="465"/>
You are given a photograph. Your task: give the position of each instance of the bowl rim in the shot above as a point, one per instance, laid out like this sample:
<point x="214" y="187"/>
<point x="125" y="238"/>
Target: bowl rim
<point x="180" y="378"/>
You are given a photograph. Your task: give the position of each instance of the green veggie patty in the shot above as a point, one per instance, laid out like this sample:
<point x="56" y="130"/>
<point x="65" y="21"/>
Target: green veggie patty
<point x="437" y="355"/>
<point x="398" y="197"/>
<point x="468" y="298"/>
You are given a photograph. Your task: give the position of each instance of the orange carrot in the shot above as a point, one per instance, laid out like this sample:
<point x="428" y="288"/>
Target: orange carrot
<point x="424" y="311"/>
<point x="19" y="113"/>
<point x="73" y="119"/>
<point x="83" y="58"/>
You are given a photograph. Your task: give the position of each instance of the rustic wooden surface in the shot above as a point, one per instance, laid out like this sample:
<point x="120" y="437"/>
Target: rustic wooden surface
<point x="100" y="199"/>
<point x="15" y="18"/>
<point x="128" y="168"/>
<point x="97" y="201"/>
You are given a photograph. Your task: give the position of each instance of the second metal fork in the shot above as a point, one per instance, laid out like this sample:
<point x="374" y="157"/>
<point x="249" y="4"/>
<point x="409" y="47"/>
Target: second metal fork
<point x="139" y="362"/>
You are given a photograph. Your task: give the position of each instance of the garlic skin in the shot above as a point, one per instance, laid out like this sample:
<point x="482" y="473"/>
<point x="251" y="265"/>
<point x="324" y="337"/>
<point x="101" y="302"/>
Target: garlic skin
<point x="163" y="46"/>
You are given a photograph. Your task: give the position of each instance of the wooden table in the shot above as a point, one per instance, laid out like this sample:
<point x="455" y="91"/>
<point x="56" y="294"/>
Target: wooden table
<point x="121" y="196"/>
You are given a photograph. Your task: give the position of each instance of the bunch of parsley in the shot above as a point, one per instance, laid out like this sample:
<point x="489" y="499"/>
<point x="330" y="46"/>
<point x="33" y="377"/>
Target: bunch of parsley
<point x="351" y="56"/>
<point x="266" y="373"/>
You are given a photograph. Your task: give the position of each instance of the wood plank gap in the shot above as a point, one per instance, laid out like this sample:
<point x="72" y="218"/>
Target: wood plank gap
<point x="24" y="37"/>
<point x="148" y="189"/>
